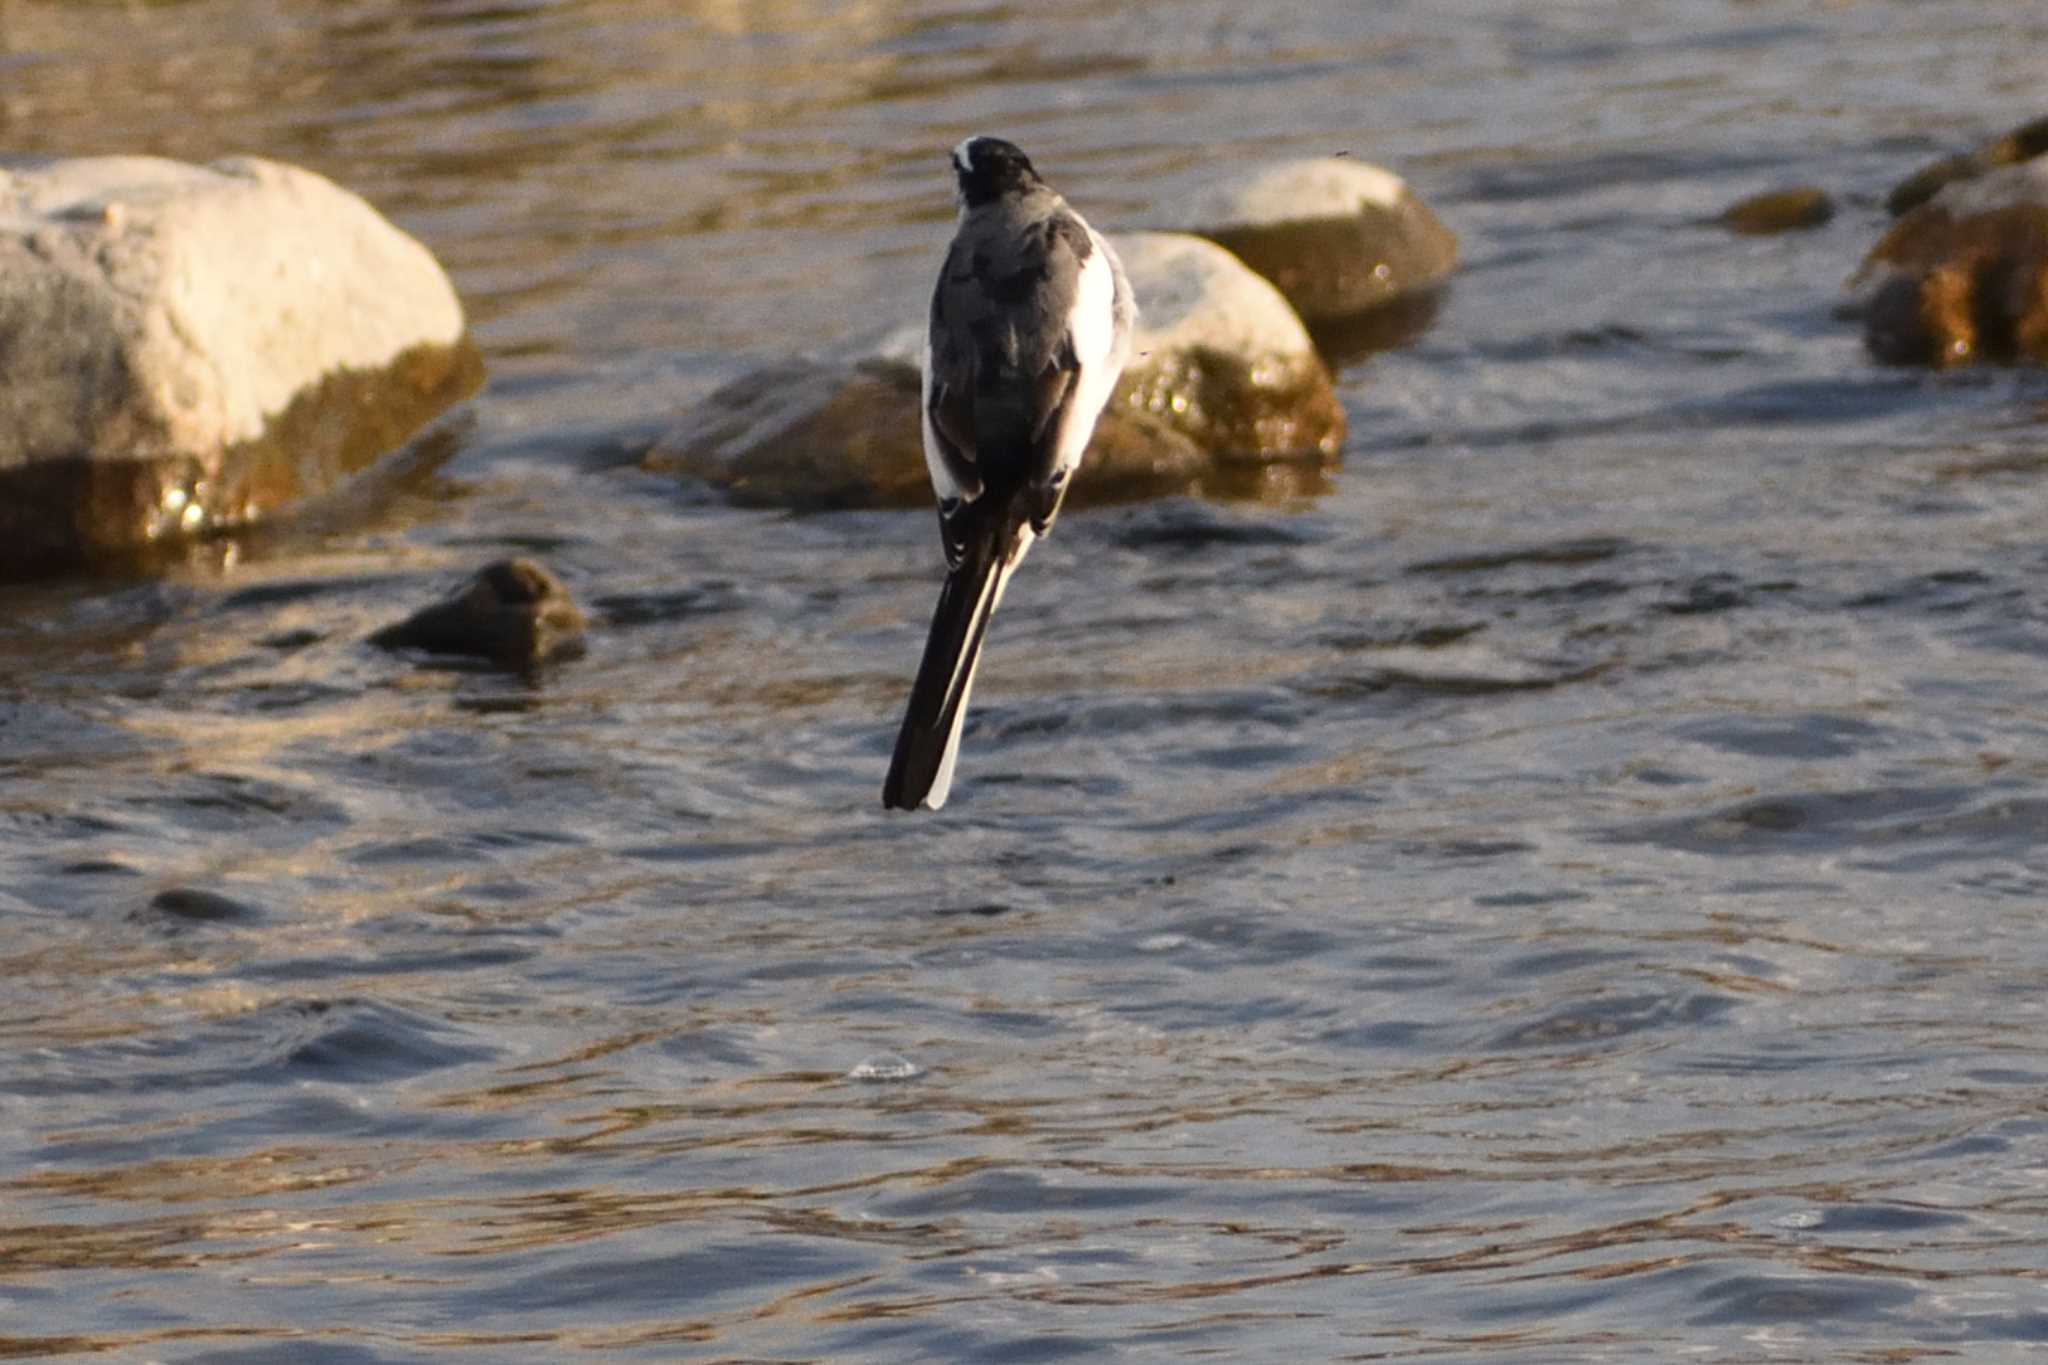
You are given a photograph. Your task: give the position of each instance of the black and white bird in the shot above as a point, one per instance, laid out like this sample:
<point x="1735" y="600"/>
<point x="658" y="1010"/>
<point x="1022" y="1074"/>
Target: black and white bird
<point x="1031" y="324"/>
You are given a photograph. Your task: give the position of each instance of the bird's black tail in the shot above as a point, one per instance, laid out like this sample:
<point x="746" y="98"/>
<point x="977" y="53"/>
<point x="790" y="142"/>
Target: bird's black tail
<point x="921" y="773"/>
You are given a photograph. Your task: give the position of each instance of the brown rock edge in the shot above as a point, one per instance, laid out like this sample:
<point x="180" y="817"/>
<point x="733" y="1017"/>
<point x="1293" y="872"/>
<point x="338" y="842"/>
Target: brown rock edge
<point x="133" y="515"/>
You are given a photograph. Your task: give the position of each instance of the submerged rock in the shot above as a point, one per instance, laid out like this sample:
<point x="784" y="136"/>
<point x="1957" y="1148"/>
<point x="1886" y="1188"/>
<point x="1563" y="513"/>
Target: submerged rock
<point x="514" y="612"/>
<point x="187" y="347"/>
<point x="1963" y="278"/>
<point x="2023" y="143"/>
<point x="1338" y="237"/>
<point x="1776" y="211"/>
<point x="1224" y="392"/>
<point x="193" y="905"/>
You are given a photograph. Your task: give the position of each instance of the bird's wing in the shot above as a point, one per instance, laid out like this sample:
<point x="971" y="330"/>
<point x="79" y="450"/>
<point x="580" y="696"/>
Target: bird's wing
<point x="948" y="393"/>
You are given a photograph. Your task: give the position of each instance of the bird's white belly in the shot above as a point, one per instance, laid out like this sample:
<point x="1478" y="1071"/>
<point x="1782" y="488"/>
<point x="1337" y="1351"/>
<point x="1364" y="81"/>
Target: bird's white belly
<point x="1093" y="326"/>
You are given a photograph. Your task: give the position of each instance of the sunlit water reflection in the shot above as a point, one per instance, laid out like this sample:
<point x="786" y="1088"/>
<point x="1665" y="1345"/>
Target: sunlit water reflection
<point x="1570" y="892"/>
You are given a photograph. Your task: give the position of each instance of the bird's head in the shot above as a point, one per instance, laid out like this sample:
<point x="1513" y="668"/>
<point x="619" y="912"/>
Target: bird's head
<point x="988" y="168"/>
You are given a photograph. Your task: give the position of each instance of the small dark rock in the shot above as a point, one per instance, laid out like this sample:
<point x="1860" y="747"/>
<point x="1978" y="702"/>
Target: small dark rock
<point x="514" y="612"/>
<point x="98" y="867"/>
<point x="1776" y="211"/>
<point x="202" y="907"/>
<point x="289" y="641"/>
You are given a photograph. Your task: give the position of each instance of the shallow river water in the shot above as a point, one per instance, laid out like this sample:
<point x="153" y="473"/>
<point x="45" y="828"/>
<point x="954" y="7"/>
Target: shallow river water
<point x="1573" y="889"/>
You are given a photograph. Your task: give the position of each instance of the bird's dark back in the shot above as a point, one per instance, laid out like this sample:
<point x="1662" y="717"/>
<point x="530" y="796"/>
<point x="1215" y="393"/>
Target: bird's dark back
<point x="1000" y="316"/>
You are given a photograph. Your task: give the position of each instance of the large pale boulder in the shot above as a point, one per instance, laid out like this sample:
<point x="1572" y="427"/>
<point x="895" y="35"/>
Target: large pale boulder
<point x="1339" y="237"/>
<point x="184" y="347"/>
<point x="1963" y="277"/>
<point x="1220" y="360"/>
<point x="1224" y="393"/>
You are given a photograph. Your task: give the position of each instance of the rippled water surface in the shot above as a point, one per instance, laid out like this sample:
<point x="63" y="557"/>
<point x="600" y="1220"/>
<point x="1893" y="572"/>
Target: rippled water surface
<point x="1571" y="891"/>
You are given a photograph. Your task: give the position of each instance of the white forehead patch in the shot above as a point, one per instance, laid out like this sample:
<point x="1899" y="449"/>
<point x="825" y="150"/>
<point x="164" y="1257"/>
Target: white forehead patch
<point x="963" y="162"/>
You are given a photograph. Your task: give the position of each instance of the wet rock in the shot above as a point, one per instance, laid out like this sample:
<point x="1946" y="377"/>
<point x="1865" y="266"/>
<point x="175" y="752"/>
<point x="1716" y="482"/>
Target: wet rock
<point x="808" y="433"/>
<point x="185" y="347"/>
<point x="1963" y="278"/>
<point x="514" y="612"/>
<point x="1777" y="211"/>
<point x="2023" y="143"/>
<point x="1348" y="340"/>
<point x="1224" y="393"/>
<point x="1338" y="237"/>
<point x="1220" y="359"/>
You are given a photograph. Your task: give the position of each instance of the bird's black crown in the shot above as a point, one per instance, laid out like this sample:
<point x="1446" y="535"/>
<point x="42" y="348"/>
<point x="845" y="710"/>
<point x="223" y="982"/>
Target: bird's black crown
<point x="989" y="168"/>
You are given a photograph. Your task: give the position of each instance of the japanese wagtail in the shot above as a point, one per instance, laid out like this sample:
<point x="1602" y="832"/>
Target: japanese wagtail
<point x="1031" y="324"/>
